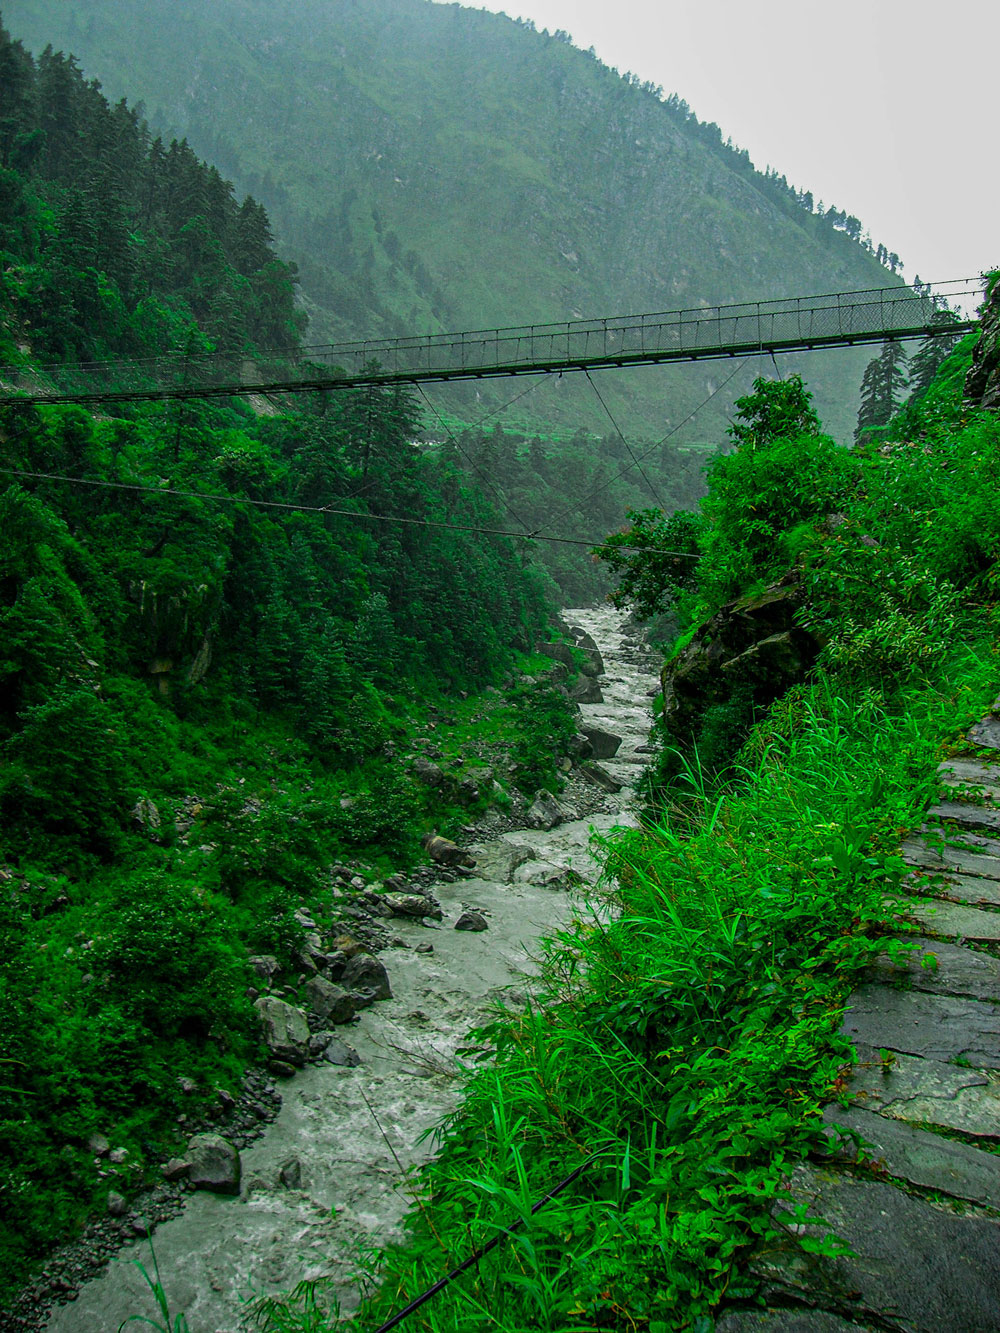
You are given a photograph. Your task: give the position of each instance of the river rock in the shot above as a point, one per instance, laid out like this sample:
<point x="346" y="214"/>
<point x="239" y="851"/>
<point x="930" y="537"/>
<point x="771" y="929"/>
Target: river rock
<point x="579" y="747"/>
<point x="215" y="1164"/>
<point x="286" y="1032"/>
<point x="290" y="1174"/>
<point x="175" y="1168"/>
<point x="594" y="663"/>
<point x="339" y="1053"/>
<point x="365" y="975"/>
<point x="586" y="690"/>
<point x="600" y="777"/>
<point x="330" y="1003"/>
<point x="117" y="1206"/>
<point x="499" y="860"/>
<point x="471" y="920"/>
<point x="604" y="744"/>
<point x="412" y="905"/>
<point x="545" y="812"/>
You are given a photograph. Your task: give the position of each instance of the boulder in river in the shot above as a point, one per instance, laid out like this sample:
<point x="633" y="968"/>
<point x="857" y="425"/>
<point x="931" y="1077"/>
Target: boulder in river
<point x="472" y="920"/>
<point x="366" y="976"/>
<point x="286" y="1032"/>
<point x="499" y="860"/>
<point x="604" y="744"/>
<point x="413" y="905"/>
<point x="546" y="812"/>
<point x="215" y="1164"/>
<point x="594" y="662"/>
<point x="586" y="690"/>
<point x="600" y="777"/>
<point x="330" y="1003"/>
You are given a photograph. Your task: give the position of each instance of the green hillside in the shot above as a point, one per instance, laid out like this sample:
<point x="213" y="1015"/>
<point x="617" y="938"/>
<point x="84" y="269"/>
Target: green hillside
<point x="432" y="166"/>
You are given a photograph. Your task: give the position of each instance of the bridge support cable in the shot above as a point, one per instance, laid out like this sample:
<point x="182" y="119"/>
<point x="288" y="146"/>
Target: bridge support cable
<point x="795" y="324"/>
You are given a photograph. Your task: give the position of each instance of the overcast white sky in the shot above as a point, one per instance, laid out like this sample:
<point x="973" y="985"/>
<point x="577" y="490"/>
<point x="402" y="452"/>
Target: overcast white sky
<point x="886" y="108"/>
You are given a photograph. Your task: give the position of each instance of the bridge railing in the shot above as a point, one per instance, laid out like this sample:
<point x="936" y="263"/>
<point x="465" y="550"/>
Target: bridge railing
<point x="721" y="330"/>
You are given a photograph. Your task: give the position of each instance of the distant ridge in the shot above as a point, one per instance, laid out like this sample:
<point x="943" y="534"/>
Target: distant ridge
<point x="433" y="166"/>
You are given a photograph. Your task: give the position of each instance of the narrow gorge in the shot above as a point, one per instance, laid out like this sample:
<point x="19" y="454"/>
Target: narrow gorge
<point x="326" y="1183"/>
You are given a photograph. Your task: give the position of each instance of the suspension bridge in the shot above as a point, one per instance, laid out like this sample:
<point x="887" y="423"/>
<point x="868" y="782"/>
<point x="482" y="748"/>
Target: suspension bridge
<point x="794" y="324"/>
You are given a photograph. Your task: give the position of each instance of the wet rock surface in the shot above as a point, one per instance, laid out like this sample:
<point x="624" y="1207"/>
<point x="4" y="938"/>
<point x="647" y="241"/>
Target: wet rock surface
<point x="319" y="1180"/>
<point x="921" y="1107"/>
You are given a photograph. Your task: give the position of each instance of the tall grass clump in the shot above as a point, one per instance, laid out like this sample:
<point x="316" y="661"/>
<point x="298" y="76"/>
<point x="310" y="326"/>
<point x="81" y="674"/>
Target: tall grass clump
<point x="684" y="1032"/>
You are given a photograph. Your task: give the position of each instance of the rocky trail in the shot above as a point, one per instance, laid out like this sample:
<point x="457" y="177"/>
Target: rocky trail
<point x="919" y="1204"/>
<point x="324" y="1183"/>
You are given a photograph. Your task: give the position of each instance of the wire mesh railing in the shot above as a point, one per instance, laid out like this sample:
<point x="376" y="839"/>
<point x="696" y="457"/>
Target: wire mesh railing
<point x="738" y="329"/>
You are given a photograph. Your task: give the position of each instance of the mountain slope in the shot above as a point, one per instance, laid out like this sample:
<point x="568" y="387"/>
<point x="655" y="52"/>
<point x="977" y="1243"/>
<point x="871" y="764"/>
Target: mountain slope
<point x="434" y="166"/>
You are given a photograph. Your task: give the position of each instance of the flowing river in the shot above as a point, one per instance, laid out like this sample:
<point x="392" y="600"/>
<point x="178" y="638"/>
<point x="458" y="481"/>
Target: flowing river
<point x="345" y="1136"/>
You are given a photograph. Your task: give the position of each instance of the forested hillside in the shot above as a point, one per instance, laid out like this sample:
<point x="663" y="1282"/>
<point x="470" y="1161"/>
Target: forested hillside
<point x="208" y="683"/>
<point x="434" y="166"/>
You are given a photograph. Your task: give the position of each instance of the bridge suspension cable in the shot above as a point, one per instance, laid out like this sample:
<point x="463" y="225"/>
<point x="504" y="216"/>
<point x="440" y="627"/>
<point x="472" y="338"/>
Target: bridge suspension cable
<point x="707" y="332"/>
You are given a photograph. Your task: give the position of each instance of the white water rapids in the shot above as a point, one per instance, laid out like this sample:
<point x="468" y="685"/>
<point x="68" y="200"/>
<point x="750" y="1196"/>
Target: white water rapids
<point x="221" y="1252"/>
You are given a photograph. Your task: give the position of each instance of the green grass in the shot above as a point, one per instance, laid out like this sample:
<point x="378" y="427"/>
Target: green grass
<point x="685" y="1032"/>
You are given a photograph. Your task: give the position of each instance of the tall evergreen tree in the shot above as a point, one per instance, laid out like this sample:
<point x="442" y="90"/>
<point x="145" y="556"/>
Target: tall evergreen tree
<point x="933" y="351"/>
<point x="882" y="388"/>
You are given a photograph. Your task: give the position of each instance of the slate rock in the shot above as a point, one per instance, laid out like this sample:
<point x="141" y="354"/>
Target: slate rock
<point x="545" y="811"/>
<point x="926" y="1160"/>
<point x="364" y="973"/>
<point x="966" y="815"/>
<point x="585" y="690"/>
<point x="286" y="1032"/>
<point x="329" y="1002"/>
<point x="953" y="970"/>
<point x="784" y="1321"/>
<point x="927" y="1092"/>
<point x="290" y="1174"/>
<point x="412" y="905"/>
<point x="598" y="776"/>
<point x="932" y="1270"/>
<point x="605" y="744"/>
<point x="952" y="920"/>
<point x="950" y="886"/>
<point x="339" y="1053"/>
<point x="215" y="1164"/>
<point x="939" y="1027"/>
<point x="969" y="856"/>
<point x="470" y="920"/>
<point x="986" y="733"/>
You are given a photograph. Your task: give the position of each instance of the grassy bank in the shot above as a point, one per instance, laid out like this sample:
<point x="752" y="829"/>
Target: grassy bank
<point x="685" y="1039"/>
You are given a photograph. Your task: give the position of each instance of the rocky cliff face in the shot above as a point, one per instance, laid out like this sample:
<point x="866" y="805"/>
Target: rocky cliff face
<point x="982" y="384"/>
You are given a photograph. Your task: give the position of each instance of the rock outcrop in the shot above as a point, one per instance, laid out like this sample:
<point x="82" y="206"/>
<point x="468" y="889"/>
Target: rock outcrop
<point x="982" y="383"/>
<point x="750" y="651"/>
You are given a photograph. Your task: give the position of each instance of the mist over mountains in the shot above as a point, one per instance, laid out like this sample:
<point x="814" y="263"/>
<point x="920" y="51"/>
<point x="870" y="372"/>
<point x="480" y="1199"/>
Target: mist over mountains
<point x="430" y="166"/>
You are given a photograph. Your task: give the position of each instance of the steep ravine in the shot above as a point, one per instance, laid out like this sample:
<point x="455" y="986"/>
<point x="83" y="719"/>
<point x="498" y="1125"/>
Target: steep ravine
<point x="336" y="1125"/>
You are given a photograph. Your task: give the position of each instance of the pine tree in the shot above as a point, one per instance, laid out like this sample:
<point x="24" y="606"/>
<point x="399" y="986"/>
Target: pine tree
<point x="882" y="388"/>
<point x="933" y="351"/>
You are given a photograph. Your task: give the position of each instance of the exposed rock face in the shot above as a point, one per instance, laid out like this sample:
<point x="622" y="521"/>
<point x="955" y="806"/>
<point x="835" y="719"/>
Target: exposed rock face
<point x="367" y="976"/>
<point x="752" y="647"/>
<point x="546" y="812"/>
<point x="330" y="1003"/>
<point x="286" y="1032"/>
<point x="603" y="744"/>
<point x="982" y="384"/>
<point x="215" y="1164"/>
<point x="594" y="664"/>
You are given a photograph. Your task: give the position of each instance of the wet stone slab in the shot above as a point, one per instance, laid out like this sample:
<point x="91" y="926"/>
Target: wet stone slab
<point x="927" y="1092"/>
<point x="786" y="1321"/>
<point x="987" y="732"/>
<point x="942" y="968"/>
<point x="939" y="1027"/>
<point x="953" y="920"/>
<point x="966" y="815"/>
<point x="926" y="1160"/>
<point x="976" y="890"/>
<point x="914" y="1267"/>
<point x="968" y="856"/>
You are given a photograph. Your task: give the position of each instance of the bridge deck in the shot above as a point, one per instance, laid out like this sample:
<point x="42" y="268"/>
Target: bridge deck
<point x="794" y="324"/>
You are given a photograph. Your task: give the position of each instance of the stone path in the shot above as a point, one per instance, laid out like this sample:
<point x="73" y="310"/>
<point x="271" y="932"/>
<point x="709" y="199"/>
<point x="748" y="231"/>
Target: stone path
<point x="919" y="1204"/>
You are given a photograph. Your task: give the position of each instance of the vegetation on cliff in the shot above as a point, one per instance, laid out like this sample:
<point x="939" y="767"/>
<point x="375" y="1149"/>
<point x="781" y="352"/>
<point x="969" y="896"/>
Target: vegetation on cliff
<point x="209" y="684"/>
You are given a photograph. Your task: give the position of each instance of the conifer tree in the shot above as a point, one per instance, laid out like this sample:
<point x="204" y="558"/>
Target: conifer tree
<point x="882" y="388"/>
<point x="933" y="352"/>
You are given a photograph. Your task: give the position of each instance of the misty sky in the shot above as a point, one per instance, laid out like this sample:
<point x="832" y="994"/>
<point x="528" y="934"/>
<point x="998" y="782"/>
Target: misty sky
<point x="886" y="108"/>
